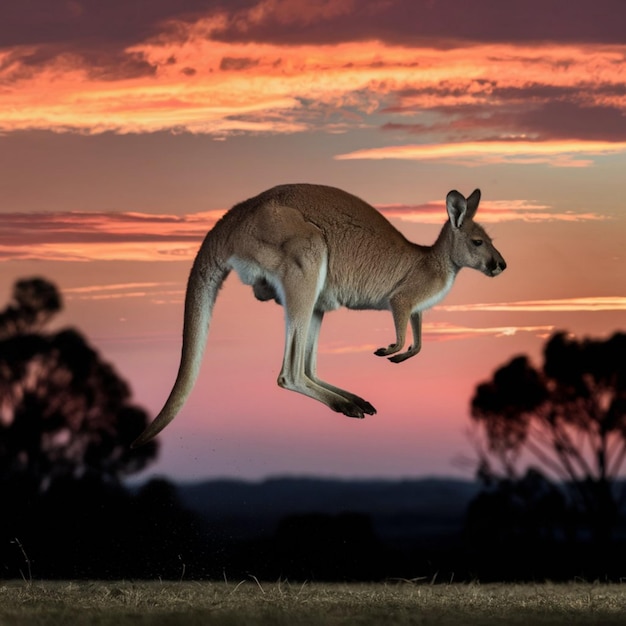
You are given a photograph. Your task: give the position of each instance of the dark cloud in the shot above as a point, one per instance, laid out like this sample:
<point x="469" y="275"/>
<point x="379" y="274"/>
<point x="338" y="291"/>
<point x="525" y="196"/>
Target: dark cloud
<point x="93" y="33"/>
<point x="544" y="92"/>
<point x="114" y="22"/>
<point x="568" y="120"/>
<point x="113" y="65"/>
<point x="443" y="22"/>
<point x="102" y="61"/>
<point x="24" y="229"/>
<point x="71" y="24"/>
<point x="96" y="34"/>
<point x="237" y="63"/>
<point x="538" y="112"/>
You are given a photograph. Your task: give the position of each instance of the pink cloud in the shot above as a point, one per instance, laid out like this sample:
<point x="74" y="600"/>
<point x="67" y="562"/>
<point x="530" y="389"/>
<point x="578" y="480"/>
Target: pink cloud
<point x="568" y="153"/>
<point x="490" y="211"/>
<point x="442" y="331"/>
<point x="84" y="236"/>
<point x="150" y="291"/>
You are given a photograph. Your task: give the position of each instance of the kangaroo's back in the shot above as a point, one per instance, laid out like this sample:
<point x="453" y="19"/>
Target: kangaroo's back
<point x="335" y="212"/>
<point x="364" y="249"/>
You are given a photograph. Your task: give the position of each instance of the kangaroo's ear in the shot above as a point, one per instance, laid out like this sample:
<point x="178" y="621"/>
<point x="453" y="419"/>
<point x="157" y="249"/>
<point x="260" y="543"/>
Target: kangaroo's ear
<point x="472" y="203"/>
<point x="457" y="208"/>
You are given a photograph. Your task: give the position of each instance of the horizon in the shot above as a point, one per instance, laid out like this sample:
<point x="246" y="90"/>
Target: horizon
<point x="140" y="480"/>
<point x="125" y="134"/>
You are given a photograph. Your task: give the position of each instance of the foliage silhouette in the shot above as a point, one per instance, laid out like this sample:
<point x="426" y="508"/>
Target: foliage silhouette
<point x="34" y="303"/>
<point x="65" y="412"/>
<point x="551" y="442"/>
<point x="328" y="547"/>
<point x="66" y="424"/>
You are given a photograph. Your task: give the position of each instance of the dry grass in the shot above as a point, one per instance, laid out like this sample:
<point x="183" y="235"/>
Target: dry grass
<point x="252" y="603"/>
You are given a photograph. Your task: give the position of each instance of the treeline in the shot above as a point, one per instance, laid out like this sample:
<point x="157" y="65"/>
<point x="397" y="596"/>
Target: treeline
<point x="78" y="530"/>
<point x="67" y="421"/>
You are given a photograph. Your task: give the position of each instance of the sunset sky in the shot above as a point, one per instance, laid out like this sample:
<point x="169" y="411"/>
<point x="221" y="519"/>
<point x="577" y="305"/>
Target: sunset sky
<point x="128" y="127"/>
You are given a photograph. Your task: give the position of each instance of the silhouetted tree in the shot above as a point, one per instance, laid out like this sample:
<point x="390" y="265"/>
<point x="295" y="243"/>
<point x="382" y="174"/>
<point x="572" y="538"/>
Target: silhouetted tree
<point x="569" y="417"/>
<point x="518" y="528"/>
<point x="34" y="302"/>
<point x="328" y="547"/>
<point x="66" y="424"/>
<point x="64" y="412"/>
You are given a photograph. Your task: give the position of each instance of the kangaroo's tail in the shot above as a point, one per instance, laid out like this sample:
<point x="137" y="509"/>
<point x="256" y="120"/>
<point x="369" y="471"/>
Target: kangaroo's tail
<point x="207" y="276"/>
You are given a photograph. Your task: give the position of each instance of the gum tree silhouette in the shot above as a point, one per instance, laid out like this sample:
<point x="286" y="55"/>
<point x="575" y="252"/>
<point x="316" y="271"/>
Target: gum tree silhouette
<point x="66" y="424"/>
<point x="568" y="417"/>
<point x="34" y="303"/>
<point x="64" y="412"/>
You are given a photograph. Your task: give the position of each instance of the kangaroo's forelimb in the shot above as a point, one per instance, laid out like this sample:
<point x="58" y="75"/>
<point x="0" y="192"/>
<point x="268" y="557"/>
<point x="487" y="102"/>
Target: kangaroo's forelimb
<point x="416" y="327"/>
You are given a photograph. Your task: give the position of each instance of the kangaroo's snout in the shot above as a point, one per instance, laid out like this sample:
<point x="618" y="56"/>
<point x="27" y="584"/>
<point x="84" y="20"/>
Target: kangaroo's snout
<point x="497" y="266"/>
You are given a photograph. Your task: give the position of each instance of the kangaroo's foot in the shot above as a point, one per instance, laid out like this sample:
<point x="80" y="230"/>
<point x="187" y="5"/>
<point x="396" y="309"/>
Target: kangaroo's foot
<point x="351" y="399"/>
<point x="390" y="349"/>
<point x="358" y="408"/>
<point x="355" y="407"/>
<point x="403" y="356"/>
<point x="337" y="399"/>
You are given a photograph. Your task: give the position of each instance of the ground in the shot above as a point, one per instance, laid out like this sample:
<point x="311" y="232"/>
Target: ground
<point x="253" y="603"/>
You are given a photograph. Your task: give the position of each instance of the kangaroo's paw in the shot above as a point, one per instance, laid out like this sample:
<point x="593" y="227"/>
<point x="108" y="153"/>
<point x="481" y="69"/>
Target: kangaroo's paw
<point x="390" y="349"/>
<point x="353" y="409"/>
<point x="347" y="397"/>
<point x="364" y="405"/>
<point x="398" y="358"/>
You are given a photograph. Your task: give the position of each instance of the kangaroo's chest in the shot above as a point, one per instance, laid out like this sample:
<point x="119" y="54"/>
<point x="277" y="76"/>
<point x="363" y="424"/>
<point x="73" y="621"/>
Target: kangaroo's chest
<point x="434" y="295"/>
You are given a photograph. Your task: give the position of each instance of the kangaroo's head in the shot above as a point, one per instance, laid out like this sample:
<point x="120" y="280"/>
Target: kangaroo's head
<point x="471" y="245"/>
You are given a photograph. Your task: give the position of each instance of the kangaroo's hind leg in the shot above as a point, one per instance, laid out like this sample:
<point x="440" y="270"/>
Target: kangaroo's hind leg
<point x="310" y="366"/>
<point x="301" y="277"/>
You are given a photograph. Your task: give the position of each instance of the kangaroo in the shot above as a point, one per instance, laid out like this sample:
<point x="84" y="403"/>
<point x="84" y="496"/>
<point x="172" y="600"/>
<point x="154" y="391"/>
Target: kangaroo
<point x="312" y="249"/>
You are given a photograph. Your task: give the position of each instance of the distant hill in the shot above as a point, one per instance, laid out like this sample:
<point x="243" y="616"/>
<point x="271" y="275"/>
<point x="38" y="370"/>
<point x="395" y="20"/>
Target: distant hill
<point x="399" y="509"/>
<point x="430" y="529"/>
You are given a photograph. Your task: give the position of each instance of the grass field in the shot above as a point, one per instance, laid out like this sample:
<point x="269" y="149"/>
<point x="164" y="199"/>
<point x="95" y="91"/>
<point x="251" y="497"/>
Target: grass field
<point x="250" y="603"/>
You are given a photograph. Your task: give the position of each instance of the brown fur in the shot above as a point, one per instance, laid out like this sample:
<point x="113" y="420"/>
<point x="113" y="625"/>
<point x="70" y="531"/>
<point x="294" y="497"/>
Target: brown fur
<point x="313" y="249"/>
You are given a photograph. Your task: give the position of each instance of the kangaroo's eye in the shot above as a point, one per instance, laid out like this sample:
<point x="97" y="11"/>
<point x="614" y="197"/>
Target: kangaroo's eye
<point x="477" y="242"/>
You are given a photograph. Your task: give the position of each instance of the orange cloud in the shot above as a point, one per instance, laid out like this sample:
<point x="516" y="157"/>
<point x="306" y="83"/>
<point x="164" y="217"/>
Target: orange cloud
<point x="567" y="153"/>
<point x="188" y="79"/>
<point x="153" y="291"/>
<point x="599" y="303"/>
